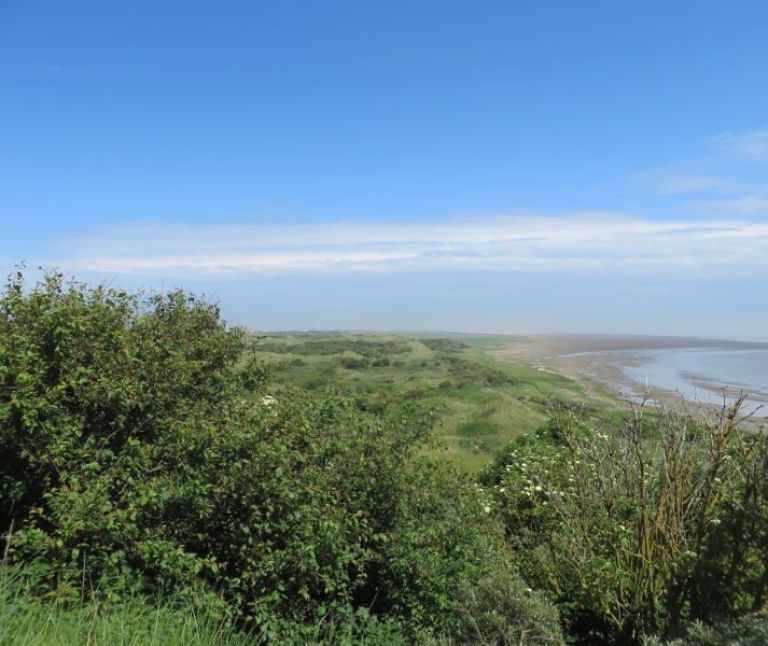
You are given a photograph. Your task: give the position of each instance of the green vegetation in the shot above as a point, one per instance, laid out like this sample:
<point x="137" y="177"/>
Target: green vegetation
<point x="141" y="457"/>
<point x="642" y="530"/>
<point x="165" y="478"/>
<point x="478" y="404"/>
<point x="26" y="619"/>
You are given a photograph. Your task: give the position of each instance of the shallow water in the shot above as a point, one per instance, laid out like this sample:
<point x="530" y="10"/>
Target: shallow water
<point x="704" y="374"/>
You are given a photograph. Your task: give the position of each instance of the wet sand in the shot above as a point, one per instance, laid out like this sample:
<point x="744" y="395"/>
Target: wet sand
<point x="603" y="364"/>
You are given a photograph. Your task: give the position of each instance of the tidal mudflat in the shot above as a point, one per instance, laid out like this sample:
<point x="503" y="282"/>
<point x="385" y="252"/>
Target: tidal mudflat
<point x="707" y="370"/>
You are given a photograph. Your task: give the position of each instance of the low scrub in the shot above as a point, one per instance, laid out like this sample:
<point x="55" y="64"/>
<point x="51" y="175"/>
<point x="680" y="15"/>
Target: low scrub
<point x="641" y="530"/>
<point x="141" y="456"/>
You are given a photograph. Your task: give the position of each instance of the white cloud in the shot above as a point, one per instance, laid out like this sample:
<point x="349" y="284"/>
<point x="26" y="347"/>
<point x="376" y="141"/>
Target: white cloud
<point x="528" y="243"/>
<point x="750" y="145"/>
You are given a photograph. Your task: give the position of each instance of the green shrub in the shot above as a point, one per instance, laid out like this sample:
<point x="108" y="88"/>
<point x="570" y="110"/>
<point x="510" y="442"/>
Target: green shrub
<point x="500" y="609"/>
<point x="140" y="455"/>
<point x="310" y="346"/>
<point x="750" y="630"/>
<point x="470" y="373"/>
<point x="640" y="530"/>
<point x="444" y="345"/>
<point x="354" y="363"/>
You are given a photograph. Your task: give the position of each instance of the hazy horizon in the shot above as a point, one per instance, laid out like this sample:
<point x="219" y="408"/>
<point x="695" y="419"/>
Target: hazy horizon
<point x="437" y="332"/>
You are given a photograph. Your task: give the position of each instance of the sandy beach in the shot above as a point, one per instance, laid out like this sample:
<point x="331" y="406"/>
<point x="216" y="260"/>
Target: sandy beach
<point x="611" y="365"/>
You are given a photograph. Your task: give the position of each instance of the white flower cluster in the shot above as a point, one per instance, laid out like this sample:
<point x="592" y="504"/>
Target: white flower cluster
<point x="486" y="504"/>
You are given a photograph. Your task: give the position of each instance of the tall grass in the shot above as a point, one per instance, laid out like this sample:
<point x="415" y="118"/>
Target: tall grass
<point x="26" y="620"/>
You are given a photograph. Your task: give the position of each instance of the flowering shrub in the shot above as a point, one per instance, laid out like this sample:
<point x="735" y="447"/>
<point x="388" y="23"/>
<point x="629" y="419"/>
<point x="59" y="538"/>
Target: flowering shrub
<point x="640" y="530"/>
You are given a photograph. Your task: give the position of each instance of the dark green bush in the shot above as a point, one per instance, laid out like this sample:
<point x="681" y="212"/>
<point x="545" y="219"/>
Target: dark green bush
<point x="310" y="346"/>
<point x="444" y="345"/>
<point x="470" y="373"/>
<point x="750" y="630"/>
<point x="139" y="453"/>
<point x="354" y="363"/>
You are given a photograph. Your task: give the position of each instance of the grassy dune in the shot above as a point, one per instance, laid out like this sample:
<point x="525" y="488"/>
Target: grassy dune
<point x="481" y="402"/>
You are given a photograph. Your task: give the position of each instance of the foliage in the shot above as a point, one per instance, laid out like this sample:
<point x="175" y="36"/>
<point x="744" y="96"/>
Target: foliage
<point x="499" y="609"/>
<point x="140" y="454"/>
<point x="444" y="345"/>
<point x="475" y="373"/>
<point x="312" y="345"/>
<point x="750" y="630"/>
<point x="26" y="620"/>
<point x="638" y="531"/>
<point x="480" y="403"/>
<point x="354" y="363"/>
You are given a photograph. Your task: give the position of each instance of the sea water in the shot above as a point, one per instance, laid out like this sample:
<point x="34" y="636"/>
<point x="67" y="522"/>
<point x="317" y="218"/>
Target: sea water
<point x="705" y="374"/>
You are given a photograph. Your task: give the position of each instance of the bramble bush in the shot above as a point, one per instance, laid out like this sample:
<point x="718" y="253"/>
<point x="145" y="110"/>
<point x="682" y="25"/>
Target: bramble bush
<point x="642" y="530"/>
<point x="141" y="455"/>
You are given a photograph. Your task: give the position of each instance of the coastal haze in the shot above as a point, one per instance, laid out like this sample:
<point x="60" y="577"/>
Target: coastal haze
<point x="711" y="371"/>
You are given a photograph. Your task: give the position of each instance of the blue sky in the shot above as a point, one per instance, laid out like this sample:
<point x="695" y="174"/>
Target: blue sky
<point x="479" y="166"/>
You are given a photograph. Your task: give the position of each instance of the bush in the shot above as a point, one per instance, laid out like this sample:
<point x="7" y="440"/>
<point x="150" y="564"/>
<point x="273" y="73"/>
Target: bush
<point x="354" y="363"/>
<point x="500" y="610"/>
<point x="750" y="630"/>
<point x="444" y="345"/>
<point x="470" y="373"/>
<point x="139" y="454"/>
<point x="640" y="531"/>
<point x="30" y="621"/>
<point x="310" y="346"/>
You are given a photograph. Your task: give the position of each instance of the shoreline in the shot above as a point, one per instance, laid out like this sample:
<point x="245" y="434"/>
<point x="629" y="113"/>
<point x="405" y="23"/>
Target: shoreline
<point x="599" y="364"/>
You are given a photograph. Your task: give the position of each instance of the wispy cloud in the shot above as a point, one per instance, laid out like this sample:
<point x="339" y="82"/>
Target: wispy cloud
<point x="681" y="181"/>
<point x="746" y="205"/>
<point x="719" y="179"/>
<point x="585" y="241"/>
<point x="751" y="145"/>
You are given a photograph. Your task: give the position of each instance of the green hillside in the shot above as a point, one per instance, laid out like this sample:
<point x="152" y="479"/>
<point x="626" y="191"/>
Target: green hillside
<point x="479" y="403"/>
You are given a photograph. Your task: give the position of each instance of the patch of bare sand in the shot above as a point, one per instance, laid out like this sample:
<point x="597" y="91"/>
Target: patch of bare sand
<point x="597" y="363"/>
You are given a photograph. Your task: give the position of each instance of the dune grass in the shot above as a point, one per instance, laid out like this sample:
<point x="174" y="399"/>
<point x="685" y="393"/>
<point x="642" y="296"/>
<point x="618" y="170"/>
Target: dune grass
<point x="29" y="620"/>
<point x="26" y="621"/>
<point x="481" y="403"/>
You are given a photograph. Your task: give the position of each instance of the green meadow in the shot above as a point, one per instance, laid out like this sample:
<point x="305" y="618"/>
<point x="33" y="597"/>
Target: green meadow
<point x="479" y="403"/>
